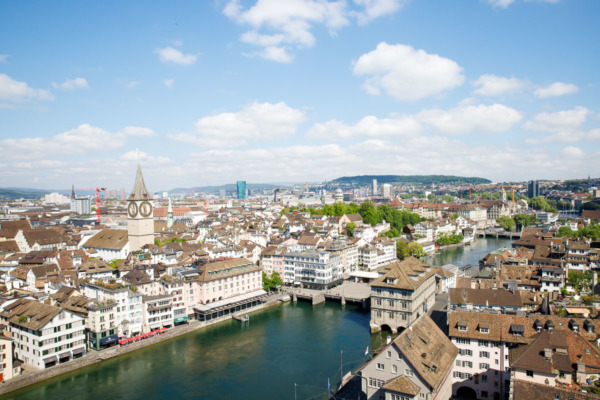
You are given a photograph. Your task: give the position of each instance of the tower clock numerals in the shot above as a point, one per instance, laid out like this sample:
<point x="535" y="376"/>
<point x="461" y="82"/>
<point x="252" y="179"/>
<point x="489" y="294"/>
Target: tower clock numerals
<point x="132" y="209"/>
<point x="145" y="209"/>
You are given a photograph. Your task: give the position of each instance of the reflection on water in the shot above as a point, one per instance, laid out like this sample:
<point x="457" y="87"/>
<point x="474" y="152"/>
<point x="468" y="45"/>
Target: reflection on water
<point x="467" y="255"/>
<point x="287" y="344"/>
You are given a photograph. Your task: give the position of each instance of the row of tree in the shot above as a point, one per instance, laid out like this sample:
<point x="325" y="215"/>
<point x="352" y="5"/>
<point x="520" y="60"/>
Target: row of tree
<point x="591" y="231"/>
<point x="519" y="221"/>
<point x="271" y="283"/>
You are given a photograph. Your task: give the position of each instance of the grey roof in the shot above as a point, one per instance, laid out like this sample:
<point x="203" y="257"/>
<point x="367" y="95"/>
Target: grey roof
<point x="139" y="191"/>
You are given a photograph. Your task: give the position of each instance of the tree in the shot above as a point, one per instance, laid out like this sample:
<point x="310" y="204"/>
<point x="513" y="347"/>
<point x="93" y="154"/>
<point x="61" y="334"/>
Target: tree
<point x="540" y="203"/>
<point x="402" y="250"/>
<point x="506" y="222"/>
<point x="565" y="231"/>
<point x="524" y="220"/>
<point x="276" y="279"/>
<point x="416" y="249"/>
<point x="454" y="216"/>
<point x="350" y="226"/>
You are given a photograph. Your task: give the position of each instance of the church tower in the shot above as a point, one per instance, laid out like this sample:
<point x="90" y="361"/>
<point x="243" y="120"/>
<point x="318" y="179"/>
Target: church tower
<point x="140" y="216"/>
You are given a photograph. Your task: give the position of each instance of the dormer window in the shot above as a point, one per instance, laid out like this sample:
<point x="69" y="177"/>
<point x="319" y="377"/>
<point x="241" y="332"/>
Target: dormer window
<point x="537" y="325"/>
<point x="573" y="325"/>
<point x="549" y="325"/>
<point x="588" y="326"/>
<point x="484" y="327"/>
<point x="517" y="330"/>
<point x="463" y="326"/>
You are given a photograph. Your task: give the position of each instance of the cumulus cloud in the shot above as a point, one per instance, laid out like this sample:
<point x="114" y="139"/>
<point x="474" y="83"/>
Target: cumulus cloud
<point x="172" y="55"/>
<point x="282" y="27"/>
<point x="72" y="84"/>
<point x="368" y="126"/>
<point x="81" y="140"/>
<point x="562" y="121"/>
<point x="131" y="84"/>
<point x="13" y="91"/>
<point x="492" y="85"/>
<point x="465" y="119"/>
<point x="501" y="3"/>
<point x="572" y="151"/>
<point x="373" y="9"/>
<point x="255" y="122"/>
<point x="555" y="90"/>
<point x="3" y="58"/>
<point x="407" y="74"/>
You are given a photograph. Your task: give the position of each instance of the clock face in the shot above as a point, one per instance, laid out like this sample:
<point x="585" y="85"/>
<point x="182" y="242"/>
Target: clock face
<point x="146" y="209"/>
<point x="132" y="209"/>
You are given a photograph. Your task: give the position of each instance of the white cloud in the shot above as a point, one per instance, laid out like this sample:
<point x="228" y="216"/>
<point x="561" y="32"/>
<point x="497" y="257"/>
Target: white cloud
<point x="492" y="85"/>
<point x="13" y="91"/>
<point x="3" y="58"/>
<point x="169" y="83"/>
<point x="562" y="121"/>
<point x="255" y="122"/>
<point x="407" y="74"/>
<point x="72" y="84"/>
<point x="172" y="55"/>
<point x="281" y="27"/>
<point x="465" y="119"/>
<point x="138" y="155"/>
<point x="572" y="151"/>
<point x="131" y="84"/>
<point x="137" y="131"/>
<point x="556" y="89"/>
<point x="376" y="8"/>
<point x="367" y="127"/>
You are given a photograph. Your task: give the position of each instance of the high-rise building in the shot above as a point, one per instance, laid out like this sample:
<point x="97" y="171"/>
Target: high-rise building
<point x="533" y="189"/>
<point x="222" y="194"/>
<point x="140" y="215"/>
<point x="387" y="190"/>
<point x="122" y="193"/>
<point x="241" y="189"/>
<point x="374" y="189"/>
<point x="81" y="205"/>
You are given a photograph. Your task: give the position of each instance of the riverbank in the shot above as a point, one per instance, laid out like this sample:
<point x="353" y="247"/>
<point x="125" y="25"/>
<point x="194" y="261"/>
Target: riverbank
<point x="93" y="357"/>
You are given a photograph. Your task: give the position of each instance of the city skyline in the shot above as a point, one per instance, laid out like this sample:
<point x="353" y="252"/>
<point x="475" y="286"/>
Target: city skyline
<point x="310" y="90"/>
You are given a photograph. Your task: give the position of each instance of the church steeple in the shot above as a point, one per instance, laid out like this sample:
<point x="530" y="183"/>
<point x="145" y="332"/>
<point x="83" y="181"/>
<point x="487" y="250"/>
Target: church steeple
<point x="170" y="214"/>
<point x="139" y="191"/>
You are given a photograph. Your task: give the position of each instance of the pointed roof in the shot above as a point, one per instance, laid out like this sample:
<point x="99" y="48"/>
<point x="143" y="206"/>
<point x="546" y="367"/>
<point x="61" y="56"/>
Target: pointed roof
<point x="139" y="191"/>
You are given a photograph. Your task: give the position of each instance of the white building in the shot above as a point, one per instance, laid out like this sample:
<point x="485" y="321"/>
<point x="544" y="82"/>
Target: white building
<point x="81" y="205"/>
<point x="44" y="335"/>
<point x="128" y="311"/>
<point x="56" y="198"/>
<point x="158" y="312"/>
<point x="313" y="269"/>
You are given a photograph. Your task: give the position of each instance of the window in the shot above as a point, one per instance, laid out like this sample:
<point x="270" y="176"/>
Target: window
<point x="389" y="354"/>
<point x="484" y="343"/>
<point x="484" y="354"/>
<point x="484" y="330"/>
<point x="408" y="372"/>
<point x="380" y="366"/>
<point x="483" y="378"/>
<point x="465" y="352"/>
<point x="463" y="341"/>
<point x="467" y="364"/>
<point x="530" y="373"/>
<point x="394" y="369"/>
<point x="484" y="394"/>
<point x="484" y="366"/>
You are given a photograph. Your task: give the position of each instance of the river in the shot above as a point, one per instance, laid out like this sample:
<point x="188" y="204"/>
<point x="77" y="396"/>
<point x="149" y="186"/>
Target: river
<point x="281" y="346"/>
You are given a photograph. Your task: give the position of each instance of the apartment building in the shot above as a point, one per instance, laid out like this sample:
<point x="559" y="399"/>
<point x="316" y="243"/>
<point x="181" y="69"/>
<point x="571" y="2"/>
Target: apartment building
<point x="44" y="335"/>
<point x="128" y="310"/>
<point x="405" y="291"/>
<point x="157" y="312"/>
<point x="417" y="364"/>
<point x="313" y="269"/>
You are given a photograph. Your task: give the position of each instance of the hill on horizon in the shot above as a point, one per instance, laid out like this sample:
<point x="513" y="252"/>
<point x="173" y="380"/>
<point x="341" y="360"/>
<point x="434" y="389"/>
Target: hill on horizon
<point x="411" y="179"/>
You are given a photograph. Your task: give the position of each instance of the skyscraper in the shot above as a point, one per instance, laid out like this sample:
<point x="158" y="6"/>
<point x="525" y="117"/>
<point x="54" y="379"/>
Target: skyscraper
<point x="387" y="190"/>
<point x="533" y="189"/>
<point x="374" y="189"/>
<point x="241" y="189"/>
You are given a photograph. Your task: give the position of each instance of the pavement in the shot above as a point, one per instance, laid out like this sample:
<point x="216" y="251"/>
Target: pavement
<point x="439" y="312"/>
<point x="350" y="290"/>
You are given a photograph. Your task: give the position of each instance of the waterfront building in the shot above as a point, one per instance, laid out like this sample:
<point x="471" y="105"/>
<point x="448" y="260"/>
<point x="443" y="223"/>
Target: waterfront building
<point x="271" y="260"/>
<point x="228" y="286"/>
<point x="417" y="364"/>
<point x="312" y="269"/>
<point x="7" y="371"/>
<point x="405" y="291"/>
<point x="174" y="287"/>
<point x="348" y="253"/>
<point x="157" y="312"/>
<point x="140" y="221"/>
<point x="486" y="300"/>
<point x="241" y="190"/>
<point x="128" y="312"/>
<point x="44" y="335"/>
<point x="101" y="324"/>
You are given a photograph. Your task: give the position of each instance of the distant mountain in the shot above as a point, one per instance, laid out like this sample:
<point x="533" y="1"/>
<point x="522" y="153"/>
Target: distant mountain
<point x="13" y="193"/>
<point x="231" y="187"/>
<point x="410" y="179"/>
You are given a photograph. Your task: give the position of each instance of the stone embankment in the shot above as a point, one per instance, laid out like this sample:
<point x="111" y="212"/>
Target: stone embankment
<point x="92" y="357"/>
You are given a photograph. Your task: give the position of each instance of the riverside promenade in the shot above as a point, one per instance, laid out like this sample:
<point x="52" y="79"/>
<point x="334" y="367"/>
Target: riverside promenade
<point x="31" y="375"/>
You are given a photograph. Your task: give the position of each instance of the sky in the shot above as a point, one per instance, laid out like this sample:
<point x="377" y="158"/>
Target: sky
<point x="214" y="91"/>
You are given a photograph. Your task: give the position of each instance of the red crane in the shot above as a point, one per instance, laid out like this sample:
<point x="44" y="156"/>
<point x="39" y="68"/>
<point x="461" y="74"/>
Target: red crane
<point x="98" y="190"/>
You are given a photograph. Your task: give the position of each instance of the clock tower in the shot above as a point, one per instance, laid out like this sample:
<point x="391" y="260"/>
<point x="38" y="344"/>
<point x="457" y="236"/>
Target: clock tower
<point x="140" y="216"/>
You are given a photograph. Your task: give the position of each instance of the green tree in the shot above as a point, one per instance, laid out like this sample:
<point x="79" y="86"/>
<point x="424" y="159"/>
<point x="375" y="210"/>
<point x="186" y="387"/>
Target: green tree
<point x="454" y="216"/>
<point x="565" y="231"/>
<point x="506" y="222"/>
<point x="540" y="203"/>
<point x="416" y="249"/>
<point x="591" y="231"/>
<point x="350" y="226"/>
<point x="276" y="279"/>
<point x="525" y="220"/>
<point x="402" y="250"/>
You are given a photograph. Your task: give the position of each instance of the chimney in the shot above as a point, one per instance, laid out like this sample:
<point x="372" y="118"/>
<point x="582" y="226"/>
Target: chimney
<point x="548" y="354"/>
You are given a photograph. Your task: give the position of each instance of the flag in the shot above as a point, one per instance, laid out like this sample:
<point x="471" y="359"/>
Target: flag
<point x="367" y="351"/>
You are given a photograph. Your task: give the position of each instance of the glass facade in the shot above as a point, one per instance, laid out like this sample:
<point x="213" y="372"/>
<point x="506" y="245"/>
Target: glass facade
<point x="241" y="189"/>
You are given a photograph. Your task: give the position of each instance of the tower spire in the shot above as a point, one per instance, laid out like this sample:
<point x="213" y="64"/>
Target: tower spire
<point x="139" y="191"/>
<point x="72" y="191"/>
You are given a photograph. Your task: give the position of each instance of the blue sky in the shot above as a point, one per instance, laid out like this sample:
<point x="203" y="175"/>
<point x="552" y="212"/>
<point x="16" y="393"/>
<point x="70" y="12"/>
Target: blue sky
<point x="210" y="92"/>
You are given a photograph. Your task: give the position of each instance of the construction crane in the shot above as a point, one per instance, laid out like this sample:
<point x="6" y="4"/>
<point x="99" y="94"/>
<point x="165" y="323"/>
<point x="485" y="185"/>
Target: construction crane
<point x="97" y="190"/>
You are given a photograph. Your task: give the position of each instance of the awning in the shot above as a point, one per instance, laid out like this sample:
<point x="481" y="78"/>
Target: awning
<point x="50" y="360"/>
<point x="77" y="351"/>
<point x="123" y="341"/>
<point x="163" y="329"/>
<point x="137" y="338"/>
<point x="182" y="319"/>
<point x="109" y="339"/>
<point x="65" y="355"/>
